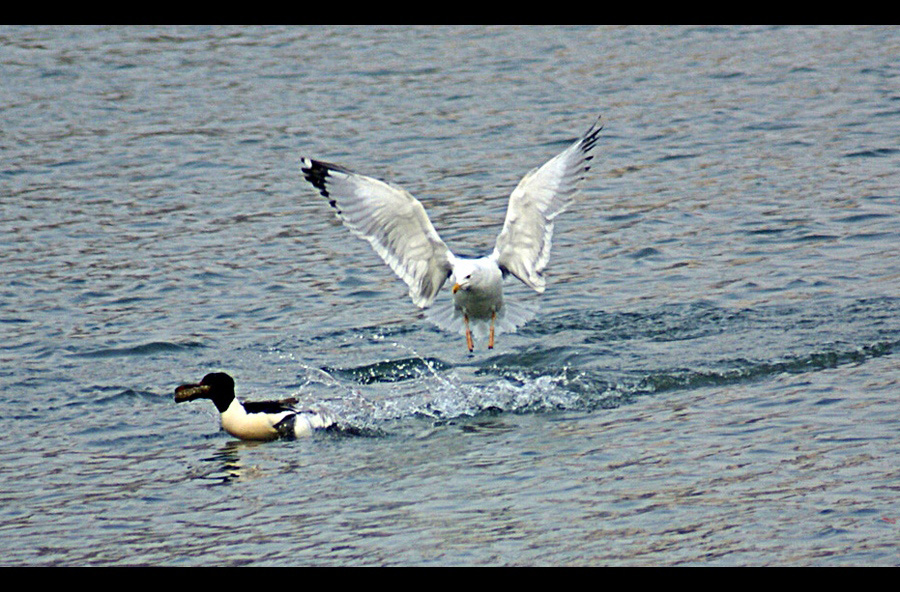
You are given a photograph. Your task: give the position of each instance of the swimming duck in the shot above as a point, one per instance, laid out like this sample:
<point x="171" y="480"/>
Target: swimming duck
<point x="263" y="420"/>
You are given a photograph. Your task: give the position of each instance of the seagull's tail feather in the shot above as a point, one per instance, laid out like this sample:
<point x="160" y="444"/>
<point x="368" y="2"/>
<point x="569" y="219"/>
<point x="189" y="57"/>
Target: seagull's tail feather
<point x="443" y="314"/>
<point x="518" y="313"/>
<point x="514" y="314"/>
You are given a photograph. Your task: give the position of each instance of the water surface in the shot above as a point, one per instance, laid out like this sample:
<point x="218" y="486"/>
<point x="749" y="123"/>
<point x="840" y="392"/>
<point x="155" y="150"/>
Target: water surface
<point x="712" y="378"/>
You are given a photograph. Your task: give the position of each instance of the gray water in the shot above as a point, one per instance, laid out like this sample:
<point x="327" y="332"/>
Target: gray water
<point x="712" y="378"/>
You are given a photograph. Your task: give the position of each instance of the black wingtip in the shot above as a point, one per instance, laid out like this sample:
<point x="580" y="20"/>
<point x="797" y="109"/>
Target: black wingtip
<point x="316" y="172"/>
<point x="589" y="140"/>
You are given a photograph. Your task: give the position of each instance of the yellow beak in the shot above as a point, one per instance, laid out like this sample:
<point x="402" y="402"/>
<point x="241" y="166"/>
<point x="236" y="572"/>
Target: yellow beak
<point x="456" y="288"/>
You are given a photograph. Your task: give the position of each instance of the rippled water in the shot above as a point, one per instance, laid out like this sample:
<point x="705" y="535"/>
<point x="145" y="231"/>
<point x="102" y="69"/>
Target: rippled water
<point x="712" y="378"/>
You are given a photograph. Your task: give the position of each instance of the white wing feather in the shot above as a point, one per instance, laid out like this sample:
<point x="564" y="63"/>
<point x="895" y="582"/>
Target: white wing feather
<point x="523" y="246"/>
<point x="392" y="221"/>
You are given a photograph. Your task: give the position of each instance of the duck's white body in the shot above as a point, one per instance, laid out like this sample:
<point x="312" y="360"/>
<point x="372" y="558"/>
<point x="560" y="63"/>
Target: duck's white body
<point x="269" y="426"/>
<point x="252" y="421"/>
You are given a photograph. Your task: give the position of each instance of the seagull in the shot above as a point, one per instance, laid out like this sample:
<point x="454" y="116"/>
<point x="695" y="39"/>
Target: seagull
<point x="396" y="225"/>
<point x="260" y="420"/>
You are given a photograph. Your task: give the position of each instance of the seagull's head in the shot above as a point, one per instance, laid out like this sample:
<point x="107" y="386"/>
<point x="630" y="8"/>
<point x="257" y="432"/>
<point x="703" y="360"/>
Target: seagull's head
<point x="476" y="274"/>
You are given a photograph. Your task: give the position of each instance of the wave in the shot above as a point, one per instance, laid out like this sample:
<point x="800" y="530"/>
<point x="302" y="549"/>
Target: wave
<point x="605" y="360"/>
<point x="153" y="347"/>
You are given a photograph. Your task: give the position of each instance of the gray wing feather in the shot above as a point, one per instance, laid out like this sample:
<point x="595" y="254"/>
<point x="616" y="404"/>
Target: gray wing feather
<point x="523" y="246"/>
<point x="392" y="221"/>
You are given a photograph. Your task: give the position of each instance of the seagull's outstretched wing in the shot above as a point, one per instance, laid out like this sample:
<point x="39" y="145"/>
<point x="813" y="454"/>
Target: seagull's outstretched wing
<point x="523" y="246"/>
<point x="392" y="220"/>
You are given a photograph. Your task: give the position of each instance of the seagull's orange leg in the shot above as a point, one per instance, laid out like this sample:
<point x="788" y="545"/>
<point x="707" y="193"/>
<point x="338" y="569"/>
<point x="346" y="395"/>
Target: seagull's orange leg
<point x="469" y="342"/>
<point x="491" y="337"/>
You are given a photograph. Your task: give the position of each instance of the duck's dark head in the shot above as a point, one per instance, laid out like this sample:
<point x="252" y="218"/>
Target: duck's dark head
<point x="216" y="386"/>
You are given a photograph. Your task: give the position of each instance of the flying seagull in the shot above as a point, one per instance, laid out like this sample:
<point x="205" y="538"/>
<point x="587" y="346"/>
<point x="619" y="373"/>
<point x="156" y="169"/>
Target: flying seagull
<point x="397" y="227"/>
